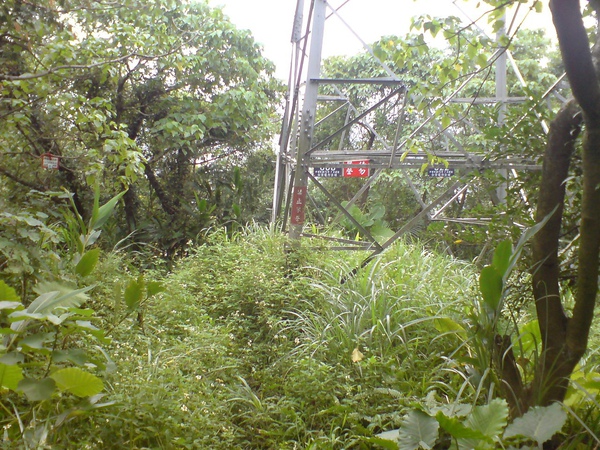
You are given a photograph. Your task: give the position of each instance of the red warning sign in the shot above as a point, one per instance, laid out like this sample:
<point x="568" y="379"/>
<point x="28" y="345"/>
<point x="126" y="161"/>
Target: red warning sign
<point x="298" y="203"/>
<point x="357" y="172"/>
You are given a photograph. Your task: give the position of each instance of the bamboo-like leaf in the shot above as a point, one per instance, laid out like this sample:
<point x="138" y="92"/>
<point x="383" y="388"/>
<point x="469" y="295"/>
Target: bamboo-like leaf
<point x="525" y="237"/>
<point x="447" y="325"/>
<point x="418" y="430"/>
<point x="10" y="375"/>
<point x="501" y="259"/>
<point x="88" y="261"/>
<point x="37" y="390"/>
<point x="538" y="423"/>
<point x="102" y="214"/>
<point x="57" y="296"/>
<point x="77" y="382"/>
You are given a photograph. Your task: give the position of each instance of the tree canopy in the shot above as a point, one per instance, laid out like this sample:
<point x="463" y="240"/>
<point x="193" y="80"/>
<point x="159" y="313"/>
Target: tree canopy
<point x="143" y="96"/>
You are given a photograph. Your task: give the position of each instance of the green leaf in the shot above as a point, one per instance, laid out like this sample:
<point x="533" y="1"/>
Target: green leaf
<point x="74" y="355"/>
<point x="490" y="285"/>
<point x="418" y="430"/>
<point x="88" y="261"/>
<point x="133" y="294"/>
<point x="446" y="121"/>
<point x="489" y="419"/>
<point x="447" y="325"/>
<point x="530" y="338"/>
<point x="54" y="295"/>
<point x="456" y="429"/>
<point x="37" y="390"/>
<point x="37" y="341"/>
<point x="12" y="358"/>
<point x="538" y="423"/>
<point x="10" y="305"/>
<point x="101" y="215"/>
<point x="154" y="287"/>
<point x="10" y="375"/>
<point x="387" y="440"/>
<point x="501" y="259"/>
<point x="7" y="293"/>
<point x="78" y="382"/>
<point x="237" y="211"/>
<point x="526" y="236"/>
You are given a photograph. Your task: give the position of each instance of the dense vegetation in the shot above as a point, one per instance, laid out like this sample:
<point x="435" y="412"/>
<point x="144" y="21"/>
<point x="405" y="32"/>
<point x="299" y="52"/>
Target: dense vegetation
<point x="145" y="302"/>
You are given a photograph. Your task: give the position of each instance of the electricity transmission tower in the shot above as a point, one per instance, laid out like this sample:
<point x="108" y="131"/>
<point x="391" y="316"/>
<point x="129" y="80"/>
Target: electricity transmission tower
<point x="307" y="154"/>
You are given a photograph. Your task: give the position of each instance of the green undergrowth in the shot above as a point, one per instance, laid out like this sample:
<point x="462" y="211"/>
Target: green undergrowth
<point x="253" y="346"/>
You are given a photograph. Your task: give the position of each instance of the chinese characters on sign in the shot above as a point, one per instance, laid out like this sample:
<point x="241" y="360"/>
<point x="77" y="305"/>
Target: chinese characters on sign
<point x="328" y="172"/>
<point x="440" y="172"/>
<point x="357" y="172"/>
<point x="50" y="161"/>
<point x="298" y="202"/>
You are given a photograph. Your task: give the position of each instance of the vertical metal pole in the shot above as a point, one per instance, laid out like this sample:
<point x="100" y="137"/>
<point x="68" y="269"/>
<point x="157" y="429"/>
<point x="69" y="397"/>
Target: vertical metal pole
<point x="281" y="165"/>
<point x="307" y="120"/>
<point x="501" y="96"/>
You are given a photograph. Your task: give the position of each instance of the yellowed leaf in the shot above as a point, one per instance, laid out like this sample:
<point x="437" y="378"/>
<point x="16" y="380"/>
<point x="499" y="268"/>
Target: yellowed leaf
<point x="357" y="356"/>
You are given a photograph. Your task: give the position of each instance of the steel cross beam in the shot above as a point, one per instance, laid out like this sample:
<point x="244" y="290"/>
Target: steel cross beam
<point x="304" y="154"/>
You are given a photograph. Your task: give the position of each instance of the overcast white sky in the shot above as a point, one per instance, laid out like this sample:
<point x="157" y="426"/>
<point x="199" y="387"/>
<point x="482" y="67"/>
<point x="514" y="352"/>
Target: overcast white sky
<point x="270" y="22"/>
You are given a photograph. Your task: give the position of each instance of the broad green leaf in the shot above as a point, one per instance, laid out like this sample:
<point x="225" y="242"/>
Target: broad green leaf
<point x="10" y="375"/>
<point x="37" y="341"/>
<point x="387" y="440"/>
<point x="88" y="261"/>
<point x="12" y="358"/>
<point x="446" y="121"/>
<point x="456" y="429"/>
<point x="37" y="390"/>
<point x="418" y="430"/>
<point x="501" y="258"/>
<point x="101" y="215"/>
<point x="489" y="419"/>
<point x="538" y="423"/>
<point x="154" y="287"/>
<point x="133" y="294"/>
<point x="490" y="285"/>
<point x="7" y="293"/>
<point x="78" y="382"/>
<point x="74" y="355"/>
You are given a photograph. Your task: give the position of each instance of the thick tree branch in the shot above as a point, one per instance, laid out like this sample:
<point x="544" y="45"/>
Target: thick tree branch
<point x="563" y="133"/>
<point x="7" y="174"/>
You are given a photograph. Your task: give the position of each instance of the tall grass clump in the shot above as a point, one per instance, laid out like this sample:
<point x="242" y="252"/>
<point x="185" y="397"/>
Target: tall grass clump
<point x="385" y="310"/>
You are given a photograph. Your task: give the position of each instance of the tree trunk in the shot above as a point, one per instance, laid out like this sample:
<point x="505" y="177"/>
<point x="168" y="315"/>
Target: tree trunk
<point x="564" y="340"/>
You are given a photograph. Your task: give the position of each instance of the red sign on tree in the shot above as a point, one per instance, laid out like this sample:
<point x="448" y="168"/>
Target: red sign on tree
<point x="357" y="172"/>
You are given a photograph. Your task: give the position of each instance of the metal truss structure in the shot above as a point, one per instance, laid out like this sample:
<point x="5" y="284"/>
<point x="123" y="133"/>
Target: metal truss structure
<point x="307" y="153"/>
